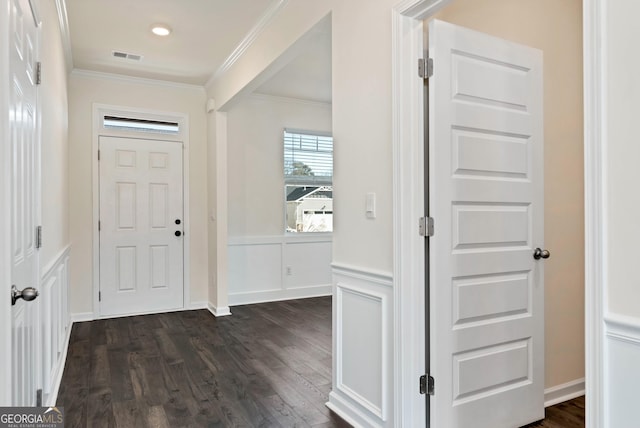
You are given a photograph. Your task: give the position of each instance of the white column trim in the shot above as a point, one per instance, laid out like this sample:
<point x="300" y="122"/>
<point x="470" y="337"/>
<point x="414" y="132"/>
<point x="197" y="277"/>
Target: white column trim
<point x="595" y="110"/>
<point x="220" y="300"/>
<point x="219" y="311"/>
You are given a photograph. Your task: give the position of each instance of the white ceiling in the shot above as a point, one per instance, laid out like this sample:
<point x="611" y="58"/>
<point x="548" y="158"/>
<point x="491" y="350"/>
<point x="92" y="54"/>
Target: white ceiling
<point x="205" y="34"/>
<point x="308" y="76"/>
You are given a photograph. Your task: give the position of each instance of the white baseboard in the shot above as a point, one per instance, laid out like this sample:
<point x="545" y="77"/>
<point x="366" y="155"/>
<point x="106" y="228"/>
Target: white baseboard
<point x="57" y="380"/>
<point x="219" y="312"/>
<point x="349" y="413"/>
<point x="82" y="316"/>
<point x="203" y="304"/>
<point x="565" y="392"/>
<point x="90" y="316"/>
<point x="278" y="295"/>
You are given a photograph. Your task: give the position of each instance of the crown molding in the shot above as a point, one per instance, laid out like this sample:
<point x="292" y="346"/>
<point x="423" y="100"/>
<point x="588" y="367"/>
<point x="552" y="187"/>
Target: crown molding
<point x="248" y="40"/>
<point x="90" y="74"/>
<point x="65" y="34"/>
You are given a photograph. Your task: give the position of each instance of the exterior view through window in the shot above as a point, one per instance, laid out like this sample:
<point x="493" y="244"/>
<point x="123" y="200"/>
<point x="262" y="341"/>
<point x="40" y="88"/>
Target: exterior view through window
<point x="308" y="178"/>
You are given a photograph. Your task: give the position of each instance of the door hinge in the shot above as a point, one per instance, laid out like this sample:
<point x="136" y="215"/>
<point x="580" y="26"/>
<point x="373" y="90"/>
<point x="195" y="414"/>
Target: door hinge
<point x="99" y="226"/>
<point x="425" y="68"/>
<point x="39" y="398"/>
<point x="99" y="296"/>
<point x="426" y="226"/>
<point x="38" y="73"/>
<point x="427" y="385"/>
<point x="98" y="155"/>
<point x="38" y="237"/>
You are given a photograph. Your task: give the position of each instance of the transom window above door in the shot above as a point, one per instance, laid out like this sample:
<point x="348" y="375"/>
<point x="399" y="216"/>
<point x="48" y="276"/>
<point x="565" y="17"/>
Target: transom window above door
<point x="140" y="125"/>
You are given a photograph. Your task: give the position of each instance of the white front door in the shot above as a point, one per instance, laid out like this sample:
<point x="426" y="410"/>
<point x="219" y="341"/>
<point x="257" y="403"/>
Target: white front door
<point x="141" y="226"/>
<point x="486" y="197"/>
<point x="23" y="35"/>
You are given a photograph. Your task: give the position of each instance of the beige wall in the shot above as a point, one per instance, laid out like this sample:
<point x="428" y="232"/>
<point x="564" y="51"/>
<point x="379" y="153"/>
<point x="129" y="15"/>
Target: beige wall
<point x="255" y="162"/>
<point x="54" y="122"/>
<point x="84" y="90"/>
<point x="555" y="27"/>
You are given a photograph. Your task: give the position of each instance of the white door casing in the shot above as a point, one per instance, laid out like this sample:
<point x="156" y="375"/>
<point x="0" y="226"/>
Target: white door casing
<point x="141" y="201"/>
<point x="24" y="141"/>
<point x="486" y="196"/>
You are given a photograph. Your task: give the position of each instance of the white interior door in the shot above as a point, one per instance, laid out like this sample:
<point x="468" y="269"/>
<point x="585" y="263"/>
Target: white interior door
<point x="23" y="35"/>
<point x="141" y="226"/>
<point x="486" y="197"/>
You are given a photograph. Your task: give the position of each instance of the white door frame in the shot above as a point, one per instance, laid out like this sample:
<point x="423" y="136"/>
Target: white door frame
<point x="408" y="207"/>
<point x="5" y="211"/>
<point x="595" y="112"/>
<point x="408" y="187"/>
<point x="99" y="110"/>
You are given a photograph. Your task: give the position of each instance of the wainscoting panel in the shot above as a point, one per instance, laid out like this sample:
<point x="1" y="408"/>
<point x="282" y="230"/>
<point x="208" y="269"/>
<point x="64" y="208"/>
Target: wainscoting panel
<point x="307" y="264"/>
<point x="362" y="347"/>
<point x="622" y="354"/>
<point x="270" y="268"/>
<point x="55" y="324"/>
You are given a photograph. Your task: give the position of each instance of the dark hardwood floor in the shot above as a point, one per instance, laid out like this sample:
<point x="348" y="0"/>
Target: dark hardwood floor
<point x="569" y="414"/>
<point x="267" y="365"/>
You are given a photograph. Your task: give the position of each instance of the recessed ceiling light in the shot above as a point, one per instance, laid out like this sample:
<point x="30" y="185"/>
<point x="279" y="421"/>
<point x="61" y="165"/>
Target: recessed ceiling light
<point x="161" y="29"/>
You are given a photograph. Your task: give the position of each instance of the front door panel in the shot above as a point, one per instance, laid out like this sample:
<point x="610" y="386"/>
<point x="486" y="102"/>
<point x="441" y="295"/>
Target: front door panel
<point x="141" y="226"/>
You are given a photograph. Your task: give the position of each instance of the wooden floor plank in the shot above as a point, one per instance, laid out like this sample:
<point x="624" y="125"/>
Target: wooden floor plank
<point x="268" y="365"/>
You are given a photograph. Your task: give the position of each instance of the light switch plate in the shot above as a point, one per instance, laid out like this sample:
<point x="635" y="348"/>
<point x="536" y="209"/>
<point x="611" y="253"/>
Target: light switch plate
<point x="370" y="205"/>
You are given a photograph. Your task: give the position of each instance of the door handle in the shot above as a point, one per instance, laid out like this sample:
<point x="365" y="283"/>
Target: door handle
<point x="541" y="254"/>
<point x="178" y="233"/>
<point x="28" y="294"/>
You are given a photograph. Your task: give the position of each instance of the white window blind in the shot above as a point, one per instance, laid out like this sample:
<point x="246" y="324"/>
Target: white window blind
<point x="140" y="125"/>
<point x="308" y="157"/>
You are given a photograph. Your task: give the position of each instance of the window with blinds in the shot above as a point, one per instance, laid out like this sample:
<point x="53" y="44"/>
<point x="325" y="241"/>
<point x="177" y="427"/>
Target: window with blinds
<point x="308" y="178"/>
<point x="308" y="157"/>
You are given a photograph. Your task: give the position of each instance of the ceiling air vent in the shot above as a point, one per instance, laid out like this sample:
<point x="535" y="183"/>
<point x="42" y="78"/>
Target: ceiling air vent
<point x="125" y="55"/>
